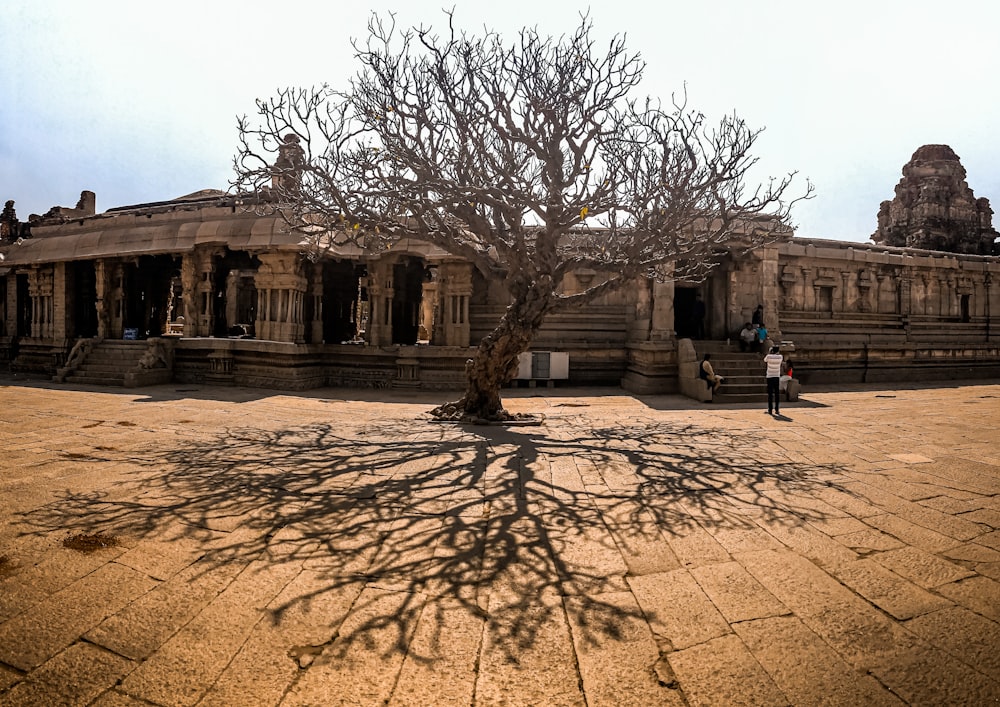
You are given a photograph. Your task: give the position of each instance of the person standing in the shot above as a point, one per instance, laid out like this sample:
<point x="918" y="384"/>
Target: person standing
<point x="758" y="315"/>
<point x="698" y="316"/>
<point x="773" y="362"/>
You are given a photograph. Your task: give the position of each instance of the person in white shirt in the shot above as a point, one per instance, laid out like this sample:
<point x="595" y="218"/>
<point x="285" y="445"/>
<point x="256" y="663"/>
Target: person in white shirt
<point x="748" y="337"/>
<point x="773" y="362"/>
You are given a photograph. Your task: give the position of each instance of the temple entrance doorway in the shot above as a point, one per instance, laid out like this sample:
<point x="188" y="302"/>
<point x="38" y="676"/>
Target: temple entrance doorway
<point x="83" y="288"/>
<point x="341" y="297"/>
<point x="689" y="313"/>
<point x="408" y="286"/>
<point x="146" y="292"/>
<point x="234" y="310"/>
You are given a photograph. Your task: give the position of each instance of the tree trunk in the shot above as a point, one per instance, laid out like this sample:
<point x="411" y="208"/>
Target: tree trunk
<point x="496" y="360"/>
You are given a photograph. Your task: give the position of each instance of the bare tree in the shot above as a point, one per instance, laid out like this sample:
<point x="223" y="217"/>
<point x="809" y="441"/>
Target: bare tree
<point x="531" y="159"/>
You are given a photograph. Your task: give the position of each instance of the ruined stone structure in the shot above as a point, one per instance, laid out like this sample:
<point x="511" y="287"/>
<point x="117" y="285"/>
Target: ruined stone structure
<point x="212" y="292"/>
<point x="935" y="209"/>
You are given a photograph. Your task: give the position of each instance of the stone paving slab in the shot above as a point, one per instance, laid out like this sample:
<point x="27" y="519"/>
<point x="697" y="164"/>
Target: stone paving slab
<point x="334" y="547"/>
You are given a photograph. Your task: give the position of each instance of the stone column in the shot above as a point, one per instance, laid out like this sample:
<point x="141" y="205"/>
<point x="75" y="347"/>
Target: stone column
<point x="662" y="322"/>
<point x="198" y="291"/>
<point x="41" y="281"/>
<point x="380" y="294"/>
<point x="808" y="302"/>
<point x="905" y="287"/>
<point x="639" y="326"/>
<point x="770" y="291"/>
<point x="316" y="292"/>
<point x="281" y="285"/>
<point x="455" y="291"/>
<point x="10" y="313"/>
<point x="101" y="302"/>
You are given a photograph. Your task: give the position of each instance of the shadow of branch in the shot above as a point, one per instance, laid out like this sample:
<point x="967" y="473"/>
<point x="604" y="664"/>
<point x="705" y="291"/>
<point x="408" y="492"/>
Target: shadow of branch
<point x="512" y="525"/>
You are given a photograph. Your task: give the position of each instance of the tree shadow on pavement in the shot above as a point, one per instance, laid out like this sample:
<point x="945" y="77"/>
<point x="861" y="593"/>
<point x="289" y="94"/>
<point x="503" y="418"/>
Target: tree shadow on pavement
<point x="514" y="525"/>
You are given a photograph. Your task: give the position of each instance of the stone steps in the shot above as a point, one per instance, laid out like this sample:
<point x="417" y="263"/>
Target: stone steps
<point x="108" y="363"/>
<point x="742" y="373"/>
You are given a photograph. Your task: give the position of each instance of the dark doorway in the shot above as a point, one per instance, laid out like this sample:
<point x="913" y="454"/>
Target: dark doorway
<point x="83" y="286"/>
<point x="235" y="307"/>
<point x="408" y="288"/>
<point x="340" y="301"/>
<point x="23" y="306"/>
<point x="965" y="308"/>
<point x="147" y="292"/>
<point x="687" y="304"/>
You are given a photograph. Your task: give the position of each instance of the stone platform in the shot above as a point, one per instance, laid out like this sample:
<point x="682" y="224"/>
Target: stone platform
<point x="333" y="547"/>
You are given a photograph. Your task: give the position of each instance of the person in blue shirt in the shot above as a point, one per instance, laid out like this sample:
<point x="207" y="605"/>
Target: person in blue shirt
<point x="761" y="337"/>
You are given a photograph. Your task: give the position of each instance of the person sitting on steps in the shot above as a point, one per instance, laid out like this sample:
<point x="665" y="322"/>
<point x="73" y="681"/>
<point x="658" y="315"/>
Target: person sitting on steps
<point x="706" y="373"/>
<point x="748" y="337"/>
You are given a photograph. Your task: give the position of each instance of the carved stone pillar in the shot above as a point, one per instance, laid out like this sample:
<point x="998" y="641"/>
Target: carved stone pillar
<point x="316" y="293"/>
<point x="40" y="290"/>
<point x="808" y="291"/>
<point x="662" y="322"/>
<point x="189" y="294"/>
<point x="281" y="287"/>
<point x="101" y="301"/>
<point x="905" y="286"/>
<point x="380" y="294"/>
<point x="455" y="291"/>
<point x="9" y="293"/>
<point x="770" y="291"/>
<point x="642" y="316"/>
<point x="198" y="286"/>
<point x="865" y="281"/>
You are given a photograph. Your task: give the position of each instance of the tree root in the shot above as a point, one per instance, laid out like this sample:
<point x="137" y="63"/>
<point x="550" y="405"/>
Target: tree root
<point x="456" y="412"/>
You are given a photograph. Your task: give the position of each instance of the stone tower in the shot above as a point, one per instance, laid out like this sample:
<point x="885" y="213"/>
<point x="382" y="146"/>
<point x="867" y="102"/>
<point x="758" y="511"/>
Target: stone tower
<point x="935" y="209"/>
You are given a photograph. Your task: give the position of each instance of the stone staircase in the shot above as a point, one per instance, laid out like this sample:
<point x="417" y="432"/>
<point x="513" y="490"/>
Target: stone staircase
<point x="743" y="372"/>
<point x="117" y="362"/>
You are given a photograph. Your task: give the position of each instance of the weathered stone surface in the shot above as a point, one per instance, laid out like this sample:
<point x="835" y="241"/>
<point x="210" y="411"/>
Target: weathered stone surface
<point x="371" y="645"/>
<point x="441" y="662"/>
<point x="920" y="567"/>
<point x="677" y="609"/>
<point x="375" y="558"/>
<point x="93" y="670"/>
<point x="527" y="654"/>
<point x="31" y="638"/>
<point x="723" y="672"/>
<point x="298" y="624"/>
<point x="962" y="633"/>
<point x="890" y="592"/>
<point x="804" y="667"/>
<point x="147" y="623"/>
<point x="616" y="667"/>
<point x="187" y="665"/>
<point x="979" y="594"/>
<point x="736" y="594"/>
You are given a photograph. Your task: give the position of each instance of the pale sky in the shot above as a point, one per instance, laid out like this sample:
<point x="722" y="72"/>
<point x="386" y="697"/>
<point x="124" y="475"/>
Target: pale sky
<point x="137" y="101"/>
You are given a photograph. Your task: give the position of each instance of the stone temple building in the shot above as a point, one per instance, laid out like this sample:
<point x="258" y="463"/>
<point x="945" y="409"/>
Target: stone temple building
<point x="199" y="289"/>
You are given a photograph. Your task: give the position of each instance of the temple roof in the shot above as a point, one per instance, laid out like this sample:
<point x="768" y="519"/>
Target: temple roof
<point x="136" y="238"/>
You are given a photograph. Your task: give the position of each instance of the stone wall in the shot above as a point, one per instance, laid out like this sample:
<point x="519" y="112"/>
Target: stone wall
<point x="862" y="313"/>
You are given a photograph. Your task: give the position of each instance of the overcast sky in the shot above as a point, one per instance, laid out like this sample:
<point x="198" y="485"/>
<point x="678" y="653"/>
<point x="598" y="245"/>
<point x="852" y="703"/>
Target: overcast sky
<point x="137" y="101"/>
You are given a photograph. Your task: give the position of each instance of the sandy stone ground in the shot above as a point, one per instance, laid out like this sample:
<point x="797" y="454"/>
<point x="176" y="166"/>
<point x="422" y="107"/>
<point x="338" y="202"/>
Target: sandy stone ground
<point x="338" y="548"/>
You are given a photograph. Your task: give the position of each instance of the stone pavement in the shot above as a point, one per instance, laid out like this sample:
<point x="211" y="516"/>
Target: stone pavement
<point x="335" y="547"/>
